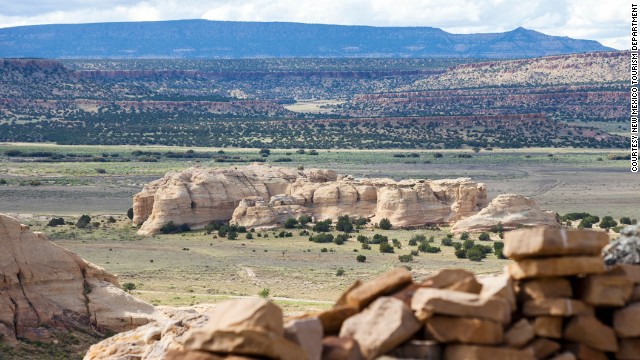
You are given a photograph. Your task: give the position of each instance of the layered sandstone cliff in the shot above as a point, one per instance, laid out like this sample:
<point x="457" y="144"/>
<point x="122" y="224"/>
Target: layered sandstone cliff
<point x="510" y="210"/>
<point x="198" y="196"/>
<point x="263" y="195"/>
<point x="46" y="287"/>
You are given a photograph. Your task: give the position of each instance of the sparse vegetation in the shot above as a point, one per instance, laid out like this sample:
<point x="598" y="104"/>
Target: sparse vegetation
<point x="385" y="224"/>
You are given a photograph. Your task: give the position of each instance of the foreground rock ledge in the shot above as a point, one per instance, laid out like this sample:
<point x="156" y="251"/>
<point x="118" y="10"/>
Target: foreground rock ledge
<point x="47" y="288"/>
<point x="449" y="315"/>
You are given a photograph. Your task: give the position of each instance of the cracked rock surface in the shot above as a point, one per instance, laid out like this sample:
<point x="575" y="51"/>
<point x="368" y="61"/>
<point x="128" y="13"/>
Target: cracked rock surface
<point x="46" y="287"/>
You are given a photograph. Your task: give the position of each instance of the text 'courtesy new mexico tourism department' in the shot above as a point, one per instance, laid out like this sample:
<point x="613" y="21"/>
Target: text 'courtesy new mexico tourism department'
<point x="634" y="88"/>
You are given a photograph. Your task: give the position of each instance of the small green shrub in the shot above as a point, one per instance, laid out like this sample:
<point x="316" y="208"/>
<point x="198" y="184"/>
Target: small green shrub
<point x="378" y="239"/>
<point x="344" y="224"/>
<point x="264" y="293"/>
<point x="340" y="272"/>
<point x="361" y="258"/>
<point x="385" y="224"/>
<point x="83" y="221"/>
<point x="607" y="222"/>
<point x="304" y="220"/>
<point x="322" y="226"/>
<point x="385" y="247"/>
<point x="461" y="253"/>
<point x="128" y="286"/>
<point x="290" y="223"/>
<point x="405" y="258"/>
<point x="464" y="236"/>
<point x="475" y="254"/>
<point x="55" y="222"/>
<point x="321" y="238"/>
<point x="484" y="236"/>
<point x="433" y="249"/>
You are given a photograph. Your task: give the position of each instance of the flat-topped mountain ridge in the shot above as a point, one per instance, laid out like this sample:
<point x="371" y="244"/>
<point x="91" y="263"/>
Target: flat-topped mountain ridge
<point x="231" y="39"/>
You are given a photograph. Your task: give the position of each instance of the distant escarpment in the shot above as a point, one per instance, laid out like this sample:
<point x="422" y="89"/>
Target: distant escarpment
<point x="263" y="195"/>
<point x="230" y="39"/>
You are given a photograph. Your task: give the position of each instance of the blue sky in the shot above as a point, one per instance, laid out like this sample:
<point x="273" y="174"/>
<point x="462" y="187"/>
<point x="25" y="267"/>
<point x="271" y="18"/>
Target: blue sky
<point x="606" y="21"/>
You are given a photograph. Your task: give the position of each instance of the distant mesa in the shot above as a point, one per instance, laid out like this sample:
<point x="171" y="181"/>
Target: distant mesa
<point x="265" y="196"/>
<point x="230" y="39"/>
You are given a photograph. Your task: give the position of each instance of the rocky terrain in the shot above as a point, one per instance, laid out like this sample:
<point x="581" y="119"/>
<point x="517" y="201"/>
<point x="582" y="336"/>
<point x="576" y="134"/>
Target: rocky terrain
<point x="262" y="195"/>
<point x="266" y="196"/>
<point x="599" y="67"/>
<point x="511" y="211"/>
<point x="582" y="87"/>
<point x="555" y="301"/>
<point x="48" y="289"/>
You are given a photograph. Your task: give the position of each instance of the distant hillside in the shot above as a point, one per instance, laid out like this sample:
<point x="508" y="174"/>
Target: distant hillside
<point x="185" y="102"/>
<point x="602" y="67"/>
<point x="219" y="39"/>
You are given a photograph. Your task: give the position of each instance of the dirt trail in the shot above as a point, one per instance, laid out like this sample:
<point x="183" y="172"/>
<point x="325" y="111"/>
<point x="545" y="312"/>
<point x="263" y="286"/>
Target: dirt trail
<point x="279" y="298"/>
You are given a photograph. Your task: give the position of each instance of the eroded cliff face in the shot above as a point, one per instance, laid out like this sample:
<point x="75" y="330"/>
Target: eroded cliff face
<point x="46" y="287"/>
<point x="198" y="196"/>
<point x="263" y="195"/>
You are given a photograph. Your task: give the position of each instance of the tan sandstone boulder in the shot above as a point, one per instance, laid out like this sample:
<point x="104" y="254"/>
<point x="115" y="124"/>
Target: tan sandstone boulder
<point x="151" y="341"/>
<point x="527" y="243"/>
<point x="511" y="211"/>
<point x="46" y="287"/>
<point x="427" y="302"/>
<point x="382" y="326"/>
<point x="252" y="327"/>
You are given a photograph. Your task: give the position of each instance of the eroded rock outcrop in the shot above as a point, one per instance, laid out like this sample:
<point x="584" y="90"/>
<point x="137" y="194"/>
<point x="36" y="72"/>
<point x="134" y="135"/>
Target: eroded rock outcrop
<point x="46" y="287"/>
<point x="510" y="210"/>
<point x="263" y="195"/>
<point x="198" y="196"/>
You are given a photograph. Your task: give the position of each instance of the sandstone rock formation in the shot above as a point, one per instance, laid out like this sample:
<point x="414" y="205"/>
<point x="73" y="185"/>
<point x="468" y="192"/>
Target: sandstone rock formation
<point x="46" y="287"/>
<point x="393" y="317"/>
<point x="263" y="195"/>
<point x="198" y="196"/>
<point x="511" y="211"/>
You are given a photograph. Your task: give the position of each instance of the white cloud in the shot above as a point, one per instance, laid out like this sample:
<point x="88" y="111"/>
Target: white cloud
<point x="607" y="22"/>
